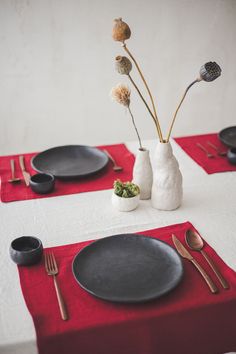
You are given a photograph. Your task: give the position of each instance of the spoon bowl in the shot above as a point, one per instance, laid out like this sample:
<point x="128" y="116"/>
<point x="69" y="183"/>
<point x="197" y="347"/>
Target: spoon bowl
<point x="195" y="242"/>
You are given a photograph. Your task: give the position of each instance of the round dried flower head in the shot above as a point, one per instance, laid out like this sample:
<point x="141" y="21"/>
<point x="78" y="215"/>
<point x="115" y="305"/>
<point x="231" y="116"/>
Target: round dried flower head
<point x="210" y="71"/>
<point x="123" y="65"/>
<point x="121" y="94"/>
<point x="120" y="31"/>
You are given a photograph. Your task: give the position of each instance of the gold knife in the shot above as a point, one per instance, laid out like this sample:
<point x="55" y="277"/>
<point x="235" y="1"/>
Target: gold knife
<point x="25" y="174"/>
<point x="185" y="254"/>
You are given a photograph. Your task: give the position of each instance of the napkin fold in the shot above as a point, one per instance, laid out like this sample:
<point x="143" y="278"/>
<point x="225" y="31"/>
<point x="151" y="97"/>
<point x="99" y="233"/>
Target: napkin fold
<point x="103" y="180"/>
<point x="210" y="165"/>
<point x="190" y="319"/>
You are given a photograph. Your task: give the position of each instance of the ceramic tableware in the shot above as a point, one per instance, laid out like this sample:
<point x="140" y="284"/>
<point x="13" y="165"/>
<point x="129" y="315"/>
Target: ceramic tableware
<point x="231" y="156"/>
<point x="42" y="183"/>
<point x="70" y="161"/>
<point x="228" y="136"/>
<point x="26" y="250"/>
<point x="128" y="268"/>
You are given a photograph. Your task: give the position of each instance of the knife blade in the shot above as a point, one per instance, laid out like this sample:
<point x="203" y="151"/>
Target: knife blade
<point x="25" y="174"/>
<point x="185" y="254"/>
<point x="181" y="249"/>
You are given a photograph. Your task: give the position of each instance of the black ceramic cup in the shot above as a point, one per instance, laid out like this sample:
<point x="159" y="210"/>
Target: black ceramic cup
<point x="42" y="183"/>
<point x="231" y="155"/>
<point x="26" y="250"/>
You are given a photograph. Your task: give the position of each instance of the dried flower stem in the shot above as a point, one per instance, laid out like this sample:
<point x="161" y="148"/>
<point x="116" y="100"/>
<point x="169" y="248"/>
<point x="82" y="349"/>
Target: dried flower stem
<point x="140" y="144"/>
<point x="179" y="105"/>
<point x="143" y="99"/>
<point x="148" y="90"/>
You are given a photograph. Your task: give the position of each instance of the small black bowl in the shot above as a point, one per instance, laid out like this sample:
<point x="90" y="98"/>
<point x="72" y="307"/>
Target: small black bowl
<point x="231" y="155"/>
<point x="26" y="250"/>
<point x="42" y="183"/>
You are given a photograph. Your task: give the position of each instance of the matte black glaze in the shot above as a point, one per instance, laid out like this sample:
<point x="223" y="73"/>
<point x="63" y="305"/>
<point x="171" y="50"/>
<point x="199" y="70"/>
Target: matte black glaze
<point x="70" y="161"/>
<point x="128" y="268"/>
<point x="26" y="250"/>
<point x="42" y="183"/>
<point x="231" y="155"/>
<point x="228" y="136"/>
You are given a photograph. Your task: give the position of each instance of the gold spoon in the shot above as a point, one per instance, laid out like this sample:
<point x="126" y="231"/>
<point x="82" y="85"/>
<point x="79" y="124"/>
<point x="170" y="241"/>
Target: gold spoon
<point x="13" y="178"/>
<point x="195" y="242"/>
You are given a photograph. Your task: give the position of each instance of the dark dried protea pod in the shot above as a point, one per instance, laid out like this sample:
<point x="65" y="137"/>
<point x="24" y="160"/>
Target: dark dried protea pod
<point x="210" y="71"/>
<point x="120" y="31"/>
<point x="123" y="65"/>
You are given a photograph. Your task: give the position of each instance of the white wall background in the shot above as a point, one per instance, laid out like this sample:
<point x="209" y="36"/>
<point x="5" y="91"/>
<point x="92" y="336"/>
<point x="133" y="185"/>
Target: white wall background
<point x="56" y="69"/>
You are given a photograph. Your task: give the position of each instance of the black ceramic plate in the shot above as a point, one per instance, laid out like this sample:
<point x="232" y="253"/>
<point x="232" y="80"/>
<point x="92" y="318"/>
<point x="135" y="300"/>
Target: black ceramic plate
<point x="128" y="268"/>
<point x="70" y="161"/>
<point x="228" y="136"/>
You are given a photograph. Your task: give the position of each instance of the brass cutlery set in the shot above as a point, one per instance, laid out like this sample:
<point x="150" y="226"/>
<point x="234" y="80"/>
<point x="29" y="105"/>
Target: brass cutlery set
<point x="52" y="270"/>
<point x="210" y="155"/>
<point x="25" y="174"/>
<point x="195" y="242"/>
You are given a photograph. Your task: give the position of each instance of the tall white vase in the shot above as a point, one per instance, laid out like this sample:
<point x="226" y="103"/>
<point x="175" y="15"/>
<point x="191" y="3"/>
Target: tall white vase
<point x="142" y="173"/>
<point x="167" y="191"/>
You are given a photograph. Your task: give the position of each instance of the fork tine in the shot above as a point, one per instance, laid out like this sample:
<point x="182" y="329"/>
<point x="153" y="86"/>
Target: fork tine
<point x="54" y="262"/>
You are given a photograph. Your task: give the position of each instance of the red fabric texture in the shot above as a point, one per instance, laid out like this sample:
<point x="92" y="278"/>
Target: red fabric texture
<point x="103" y="180"/>
<point x="190" y="319"/>
<point x="210" y="165"/>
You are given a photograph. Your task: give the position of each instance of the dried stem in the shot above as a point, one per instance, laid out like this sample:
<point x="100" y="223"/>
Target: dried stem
<point x="144" y="101"/>
<point x="148" y="90"/>
<point x="179" y="105"/>
<point x="140" y="144"/>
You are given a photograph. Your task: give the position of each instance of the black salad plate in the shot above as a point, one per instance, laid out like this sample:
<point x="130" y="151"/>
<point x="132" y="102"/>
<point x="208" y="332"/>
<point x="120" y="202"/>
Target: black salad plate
<point x="228" y="136"/>
<point x="128" y="268"/>
<point x="70" y="161"/>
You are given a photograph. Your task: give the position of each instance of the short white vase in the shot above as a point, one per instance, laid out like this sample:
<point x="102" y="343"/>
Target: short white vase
<point x="125" y="204"/>
<point x="167" y="190"/>
<point x="142" y="173"/>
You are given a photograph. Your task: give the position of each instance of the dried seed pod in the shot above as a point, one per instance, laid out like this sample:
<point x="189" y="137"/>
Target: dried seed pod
<point x="123" y="65"/>
<point x="120" y="31"/>
<point x="210" y="71"/>
<point x="121" y="94"/>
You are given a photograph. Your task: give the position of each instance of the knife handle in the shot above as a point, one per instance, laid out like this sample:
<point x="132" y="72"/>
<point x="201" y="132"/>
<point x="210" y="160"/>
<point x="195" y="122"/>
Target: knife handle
<point x="22" y="163"/>
<point x="207" y="278"/>
<point x="216" y="270"/>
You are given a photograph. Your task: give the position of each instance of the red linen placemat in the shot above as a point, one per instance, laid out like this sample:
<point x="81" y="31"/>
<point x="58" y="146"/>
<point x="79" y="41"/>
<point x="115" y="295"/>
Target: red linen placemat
<point x="210" y="165"/>
<point x="104" y="180"/>
<point x="188" y="320"/>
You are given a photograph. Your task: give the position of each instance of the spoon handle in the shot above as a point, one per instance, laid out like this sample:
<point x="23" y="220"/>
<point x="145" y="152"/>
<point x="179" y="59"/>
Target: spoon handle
<point x="207" y="278"/>
<point x="216" y="270"/>
<point x="12" y="162"/>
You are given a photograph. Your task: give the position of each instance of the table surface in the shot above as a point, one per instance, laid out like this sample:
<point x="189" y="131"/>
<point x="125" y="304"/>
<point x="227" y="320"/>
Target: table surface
<point x="209" y="203"/>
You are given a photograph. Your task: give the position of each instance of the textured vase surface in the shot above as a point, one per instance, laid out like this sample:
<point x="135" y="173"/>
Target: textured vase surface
<point x="167" y="190"/>
<point x="142" y="173"/>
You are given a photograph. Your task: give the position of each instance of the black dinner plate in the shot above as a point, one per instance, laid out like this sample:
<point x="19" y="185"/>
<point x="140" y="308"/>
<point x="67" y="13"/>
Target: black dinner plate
<point x="70" y="161"/>
<point x="228" y="136"/>
<point x="128" y="268"/>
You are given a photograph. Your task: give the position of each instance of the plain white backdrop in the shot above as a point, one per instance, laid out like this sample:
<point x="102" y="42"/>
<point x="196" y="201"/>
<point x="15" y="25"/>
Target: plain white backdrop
<point x="57" y="69"/>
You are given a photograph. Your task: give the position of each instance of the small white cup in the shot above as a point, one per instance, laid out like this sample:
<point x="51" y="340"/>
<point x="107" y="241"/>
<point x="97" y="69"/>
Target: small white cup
<point x="125" y="204"/>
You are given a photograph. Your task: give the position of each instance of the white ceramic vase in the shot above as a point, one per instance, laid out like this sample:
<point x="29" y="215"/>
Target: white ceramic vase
<point x="125" y="204"/>
<point x="142" y="173"/>
<point x="167" y="190"/>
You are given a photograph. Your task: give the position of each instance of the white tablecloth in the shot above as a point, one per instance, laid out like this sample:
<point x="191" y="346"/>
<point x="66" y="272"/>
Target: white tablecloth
<point x="209" y="203"/>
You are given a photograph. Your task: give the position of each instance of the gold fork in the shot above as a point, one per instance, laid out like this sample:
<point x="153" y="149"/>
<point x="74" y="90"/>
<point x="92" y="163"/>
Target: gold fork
<point x="52" y="269"/>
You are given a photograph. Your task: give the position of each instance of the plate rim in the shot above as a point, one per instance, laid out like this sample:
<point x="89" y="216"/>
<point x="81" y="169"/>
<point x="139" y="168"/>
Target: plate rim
<point x="75" y="175"/>
<point x="222" y="139"/>
<point x="132" y="301"/>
